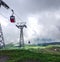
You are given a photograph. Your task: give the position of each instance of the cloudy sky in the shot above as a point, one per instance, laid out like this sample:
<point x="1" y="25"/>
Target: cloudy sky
<point x="42" y="18"/>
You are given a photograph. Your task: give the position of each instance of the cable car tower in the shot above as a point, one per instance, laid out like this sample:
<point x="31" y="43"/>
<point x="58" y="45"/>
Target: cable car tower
<point x="2" y="44"/>
<point x="12" y="20"/>
<point x="21" y="26"/>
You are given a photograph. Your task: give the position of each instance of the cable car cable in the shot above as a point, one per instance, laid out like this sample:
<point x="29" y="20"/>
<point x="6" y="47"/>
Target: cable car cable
<point x="7" y="7"/>
<point x="16" y="14"/>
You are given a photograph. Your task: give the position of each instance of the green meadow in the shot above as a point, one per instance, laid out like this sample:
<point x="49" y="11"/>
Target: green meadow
<point x="32" y="54"/>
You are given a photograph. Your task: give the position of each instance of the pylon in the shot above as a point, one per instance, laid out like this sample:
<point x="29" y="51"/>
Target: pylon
<point x="21" y="26"/>
<point x="2" y="44"/>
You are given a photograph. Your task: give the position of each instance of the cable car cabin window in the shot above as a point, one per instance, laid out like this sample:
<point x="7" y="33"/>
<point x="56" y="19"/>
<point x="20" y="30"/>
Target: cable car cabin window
<point x="12" y="19"/>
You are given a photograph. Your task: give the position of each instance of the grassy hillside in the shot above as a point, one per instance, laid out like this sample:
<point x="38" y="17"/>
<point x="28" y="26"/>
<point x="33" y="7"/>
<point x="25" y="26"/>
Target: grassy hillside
<point x="32" y="55"/>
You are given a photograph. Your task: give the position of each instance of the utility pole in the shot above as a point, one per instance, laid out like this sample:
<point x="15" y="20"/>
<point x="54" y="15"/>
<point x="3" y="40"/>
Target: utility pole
<point x="21" y="26"/>
<point x="2" y="44"/>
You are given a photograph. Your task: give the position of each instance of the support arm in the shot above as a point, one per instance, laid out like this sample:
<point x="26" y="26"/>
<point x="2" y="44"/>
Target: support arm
<point x="4" y="4"/>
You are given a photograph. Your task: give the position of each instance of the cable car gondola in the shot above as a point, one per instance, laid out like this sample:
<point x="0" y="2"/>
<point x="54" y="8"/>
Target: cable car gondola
<point x="12" y="17"/>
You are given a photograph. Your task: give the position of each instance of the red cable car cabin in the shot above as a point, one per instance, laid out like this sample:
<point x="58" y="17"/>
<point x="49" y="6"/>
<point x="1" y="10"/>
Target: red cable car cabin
<point x="12" y="19"/>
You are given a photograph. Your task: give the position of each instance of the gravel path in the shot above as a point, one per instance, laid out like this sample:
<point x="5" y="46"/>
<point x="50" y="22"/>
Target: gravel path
<point x="3" y="58"/>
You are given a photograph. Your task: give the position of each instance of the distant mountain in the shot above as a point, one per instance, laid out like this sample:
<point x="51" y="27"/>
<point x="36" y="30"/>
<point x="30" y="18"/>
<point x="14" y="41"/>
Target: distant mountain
<point x="52" y="43"/>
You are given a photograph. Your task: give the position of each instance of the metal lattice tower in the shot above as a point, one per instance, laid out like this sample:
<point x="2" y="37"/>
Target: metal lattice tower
<point x="21" y="26"/>
<point x="2" y="44"/>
